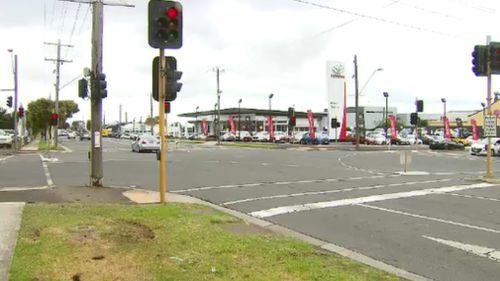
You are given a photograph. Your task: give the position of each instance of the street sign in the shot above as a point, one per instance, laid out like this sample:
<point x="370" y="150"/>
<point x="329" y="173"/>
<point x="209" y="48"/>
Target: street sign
<point x="490" y="126"/>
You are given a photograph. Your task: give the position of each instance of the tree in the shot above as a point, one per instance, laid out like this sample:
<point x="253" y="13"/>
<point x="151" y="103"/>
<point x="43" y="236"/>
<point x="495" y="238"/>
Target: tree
<point x="151" y="121"/>
<point x="39" y="117"/>
<point x="66" y="110"/>
<point x="6" y="119"/>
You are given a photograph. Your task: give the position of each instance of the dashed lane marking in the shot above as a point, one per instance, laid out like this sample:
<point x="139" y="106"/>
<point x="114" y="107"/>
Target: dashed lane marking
<point x="276" y="183"/>
<point x="50" y="183"/>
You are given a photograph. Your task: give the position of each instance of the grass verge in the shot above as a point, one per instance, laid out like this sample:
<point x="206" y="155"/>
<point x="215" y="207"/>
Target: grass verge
<point x="45" y="145"/>
<point x="252" y="144"/>
<point x="165" y="242"/>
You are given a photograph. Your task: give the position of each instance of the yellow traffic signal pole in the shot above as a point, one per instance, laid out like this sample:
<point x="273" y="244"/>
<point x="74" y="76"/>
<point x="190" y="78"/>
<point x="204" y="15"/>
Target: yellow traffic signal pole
<point x="161" y="121"/>
<point x="488" y="102"/>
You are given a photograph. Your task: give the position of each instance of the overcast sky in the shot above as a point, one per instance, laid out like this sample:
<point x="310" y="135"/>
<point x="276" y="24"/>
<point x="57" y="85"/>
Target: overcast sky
<point x="264" y="46"/>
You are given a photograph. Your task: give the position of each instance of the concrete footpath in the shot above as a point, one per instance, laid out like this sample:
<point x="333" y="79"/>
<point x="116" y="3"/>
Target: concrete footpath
<point x="10" y="223"/>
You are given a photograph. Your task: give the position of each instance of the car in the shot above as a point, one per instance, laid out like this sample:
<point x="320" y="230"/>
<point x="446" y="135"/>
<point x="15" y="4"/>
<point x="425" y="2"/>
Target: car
<point x="228" y="136"/>
<point x="85" y="136"/>
<point x="71" y="135"/>
<point x="375" y="138"/>
<point x="281" y="137"/>
<point x="62" y="133"/>
<point x="5" y="139"/>
<point x="479" y="147"/>
<point x="243" y="135"/>
<point x="146" y="143"/>
<point x="319" y="138"/>
<point x="446" y="145"/>
<point x="261" y="136"/>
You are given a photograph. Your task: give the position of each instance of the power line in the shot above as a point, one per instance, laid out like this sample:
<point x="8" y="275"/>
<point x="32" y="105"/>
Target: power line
<point x="374" y="18"/>
<point x="74" y="26"/>
<point x="437" y="13"/>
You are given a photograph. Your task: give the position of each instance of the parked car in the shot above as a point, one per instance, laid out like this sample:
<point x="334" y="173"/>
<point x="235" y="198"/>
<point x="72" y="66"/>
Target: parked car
<point x="319" y="138"/>
<point x="71" y="135"/>
<point x="480" y="147"/>
<point x="375" y="138"/>
<point x="261" y="136"/>
<point x="243" y="135"/>
<point x="281" y="137"/>
<point x="446" y="145"/>
<point x="228" y="136"/>
<point x="146" y="143"/>
<point x="5" y="139"/>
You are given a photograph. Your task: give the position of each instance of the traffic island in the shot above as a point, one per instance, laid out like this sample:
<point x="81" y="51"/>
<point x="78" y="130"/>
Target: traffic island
<point x="157" y="241"/>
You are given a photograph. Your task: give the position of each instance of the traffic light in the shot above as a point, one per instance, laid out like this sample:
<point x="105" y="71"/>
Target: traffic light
<point x="83" y="91"/>
<point x="9" y="101"/>
<point x="165" y="24"/>
<point x="167" y="107"/>
<point x="479" y="60"/>
<point x="290" y="112"/>
<point x="20" y="112"/>
<point x="293" y="121"/>
<point x="420" y="105"/>
<point x="53" y="119"/>
<point x="101" y="85"/>
<point x="495" y="57"/>
<point x="459" y="122"/>
<point x="413" y="118"/>
<point x="172" y="86"/>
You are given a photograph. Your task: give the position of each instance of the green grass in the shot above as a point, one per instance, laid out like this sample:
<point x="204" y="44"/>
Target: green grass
<point x="165" y="242"/>
<point x="45" y="145"/>
<point x="251" y="144"/>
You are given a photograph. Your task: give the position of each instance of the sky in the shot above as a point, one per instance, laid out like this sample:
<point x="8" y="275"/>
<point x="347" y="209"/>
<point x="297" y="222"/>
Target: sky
<point x="263" y="46"/>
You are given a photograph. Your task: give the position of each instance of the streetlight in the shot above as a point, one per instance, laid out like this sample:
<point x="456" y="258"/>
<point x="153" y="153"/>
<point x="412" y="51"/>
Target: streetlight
<point x="215" y="121"/>
<point x="196" y="120"/>
<point x="484" y="111"/>
<point x="443" y="100"/>
<point x="370" y="78"/>
<point x="239" y="119"/>
<point x="386" y="95"/>
<point x="270" y="117"/>
<point x="14" y="70"/>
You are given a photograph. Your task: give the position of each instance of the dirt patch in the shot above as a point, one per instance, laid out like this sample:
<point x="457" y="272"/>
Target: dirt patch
<point x="243" y="228"/>
<point x="34" y="234"/>
<point x="83" y="233"/>
<point x="132" y="231"/>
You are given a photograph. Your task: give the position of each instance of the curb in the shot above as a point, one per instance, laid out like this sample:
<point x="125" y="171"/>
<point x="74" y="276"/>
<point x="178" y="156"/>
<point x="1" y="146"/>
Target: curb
<point x="146" y="196"/>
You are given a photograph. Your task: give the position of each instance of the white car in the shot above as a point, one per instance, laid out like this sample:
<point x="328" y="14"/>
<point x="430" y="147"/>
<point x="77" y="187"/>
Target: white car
<point x="71" y="135"/>
<point x="261" y="136"/>
<point x="146" y="143"/>
<point x="375" y="138"/>
<point x="479" y="147"/>
<point x="5" y="139"/>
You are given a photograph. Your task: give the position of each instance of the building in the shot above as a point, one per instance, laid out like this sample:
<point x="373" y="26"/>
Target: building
<point x="370" y="116"/>
<point x="253" y="120"/>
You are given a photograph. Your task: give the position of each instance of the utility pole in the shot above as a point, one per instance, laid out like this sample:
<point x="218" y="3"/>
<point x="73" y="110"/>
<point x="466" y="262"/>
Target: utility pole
<point x="120" y="120"/>
<point x="356" y="99"/>
<point x="96" y="171"/>
<point x="218" y="70"/>
<point x="58" y="61"/>
<point x="488" y="104"/>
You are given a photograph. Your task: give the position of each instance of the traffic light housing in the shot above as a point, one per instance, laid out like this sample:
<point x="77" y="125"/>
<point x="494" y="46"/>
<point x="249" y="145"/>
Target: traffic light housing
<point x="53" y="119"/>
<point x="20" y="112"/>
<point x="413" y="118"/>
<point x="293" y="121"/>
<point x="494" y="57"/>
<point x="172" y="77"/>
<point x="479" y="58"/>
<point x="334" y="124"/>
<point x="420" y="105"/>
<point x="83" y="91"/>
<point x="9" y="101"/>
<point x="101" y="85"/>
<point x="167" y="107"/>
<point x="164" y="24"/>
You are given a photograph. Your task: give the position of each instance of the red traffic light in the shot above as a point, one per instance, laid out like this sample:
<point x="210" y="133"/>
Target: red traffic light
<point x="167" y="107"/>
<point x="172" y="13"/>
<point x="54" y="116"/>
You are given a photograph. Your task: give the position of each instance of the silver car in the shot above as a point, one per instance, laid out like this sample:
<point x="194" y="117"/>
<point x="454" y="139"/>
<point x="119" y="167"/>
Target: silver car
<point x="146" y="143"/>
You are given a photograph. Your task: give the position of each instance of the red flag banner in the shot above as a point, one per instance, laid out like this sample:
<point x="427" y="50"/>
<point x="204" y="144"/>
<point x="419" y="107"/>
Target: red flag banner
<point x="232" y="125"/>
<point x="394" y="134"/>
<point x="447" y="134"/>
<point x="270" y="127"/>
<point x="343" y="128"/>
<point x="311" y="123"/>
<point x="204" y="126"/>
<point x="474" y="128"/>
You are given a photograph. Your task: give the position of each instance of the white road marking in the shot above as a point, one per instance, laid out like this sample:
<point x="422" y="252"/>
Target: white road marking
<point x="18" y="188"/>
<point x="291" y="165"/>
<point x="330" y="191"/>
<point x="481" y="251"/>
<point x="277" y="183"/>
<point x="360" y="200"/>
<point x="264" y="164"/>
<point x="431" y="218"/>
<point x="7" y="157"/>
<point x="50" y="183"/>
<point x="475" y="197"/>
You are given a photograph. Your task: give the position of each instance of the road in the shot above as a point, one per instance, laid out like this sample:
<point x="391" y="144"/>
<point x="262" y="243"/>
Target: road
<point x="433" y="221"/>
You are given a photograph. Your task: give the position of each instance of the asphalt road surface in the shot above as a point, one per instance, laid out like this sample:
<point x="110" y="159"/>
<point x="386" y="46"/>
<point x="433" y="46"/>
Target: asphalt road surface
<point x="434" y="220"/>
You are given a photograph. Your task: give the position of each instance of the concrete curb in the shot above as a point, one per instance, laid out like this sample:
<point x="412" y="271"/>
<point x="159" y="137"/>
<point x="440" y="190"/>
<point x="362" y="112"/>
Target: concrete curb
<point x="11" y="223"/>
<point x="146" y="196"/>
